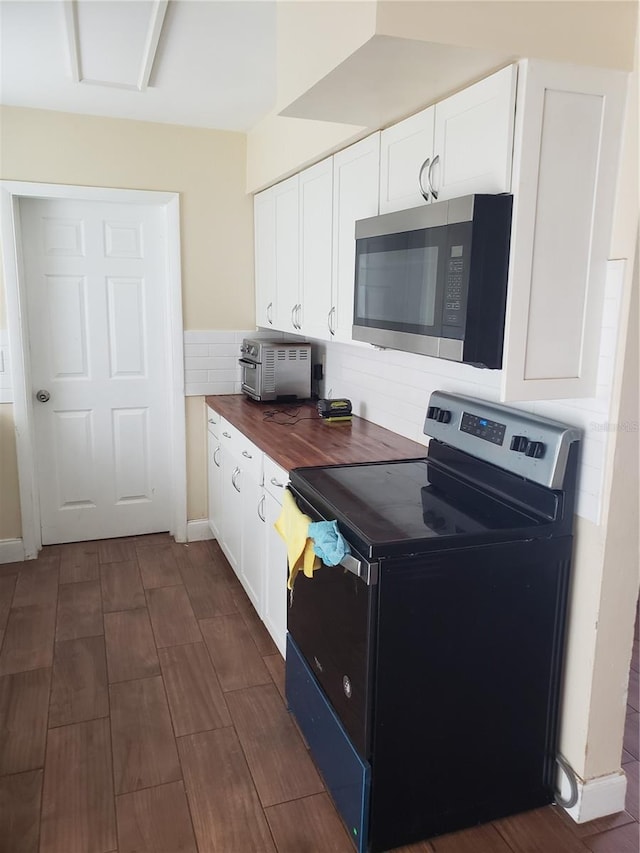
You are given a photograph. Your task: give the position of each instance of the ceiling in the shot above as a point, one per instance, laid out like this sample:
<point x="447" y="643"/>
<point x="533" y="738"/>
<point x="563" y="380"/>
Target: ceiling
<point x="203" y="63"/>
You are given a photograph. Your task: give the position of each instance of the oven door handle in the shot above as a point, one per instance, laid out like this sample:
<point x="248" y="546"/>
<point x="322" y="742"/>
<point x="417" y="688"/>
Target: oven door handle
<point x="357" y="565"/>
<point x="246" y="363"/>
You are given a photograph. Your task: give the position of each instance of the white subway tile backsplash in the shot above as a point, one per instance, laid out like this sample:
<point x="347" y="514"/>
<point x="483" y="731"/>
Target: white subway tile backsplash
<point x="211" y="359"/>
<point x="191" y="376"/>
<point x="392" y="389"/>
<point x="196" y="350"/>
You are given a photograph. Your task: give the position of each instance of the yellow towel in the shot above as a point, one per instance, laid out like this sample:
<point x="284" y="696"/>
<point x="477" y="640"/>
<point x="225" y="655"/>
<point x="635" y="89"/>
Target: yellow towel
<point x="293" y="525"/>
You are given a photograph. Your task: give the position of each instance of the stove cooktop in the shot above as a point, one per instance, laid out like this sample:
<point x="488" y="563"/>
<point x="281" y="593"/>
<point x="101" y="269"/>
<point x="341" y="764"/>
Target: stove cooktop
<point x="400" y="502"/>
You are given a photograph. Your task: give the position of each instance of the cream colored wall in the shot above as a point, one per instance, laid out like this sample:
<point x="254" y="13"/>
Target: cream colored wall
<point x="10" y="527"/>
<point x="208" y="169"/>
<point x="270" y="158"/>
<point x="315" y="36"/>
<point x="587" y="33"/>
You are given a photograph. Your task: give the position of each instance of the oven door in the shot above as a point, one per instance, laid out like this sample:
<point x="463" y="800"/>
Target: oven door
<point x="331" y="617"/>
<point x="251" y="377"/>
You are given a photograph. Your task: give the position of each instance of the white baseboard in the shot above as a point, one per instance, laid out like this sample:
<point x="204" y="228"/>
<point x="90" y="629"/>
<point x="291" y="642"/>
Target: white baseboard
<point x="599" y="797"/>
<point x="198" y="529"/>
<point x="11" y="550"/>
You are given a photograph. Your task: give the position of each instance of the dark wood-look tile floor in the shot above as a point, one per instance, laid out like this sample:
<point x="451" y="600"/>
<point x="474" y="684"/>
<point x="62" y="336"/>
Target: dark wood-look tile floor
<point x="142" y="709"/>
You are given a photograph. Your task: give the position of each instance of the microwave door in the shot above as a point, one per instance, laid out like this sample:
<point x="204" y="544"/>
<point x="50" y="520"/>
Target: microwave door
<point x="398" y="284"/>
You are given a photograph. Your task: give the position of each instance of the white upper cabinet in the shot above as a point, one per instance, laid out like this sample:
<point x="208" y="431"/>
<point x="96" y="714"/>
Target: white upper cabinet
<point x="406" y="153"/>
<point x="264" y="222"/>
<point x="285" y="199"/>
<point x="315" y="248"/>
<point x="356" y="172"/>
<point x="458" y="146"/>
<point x="473" y="138"/>
<point x="567" y="145"/>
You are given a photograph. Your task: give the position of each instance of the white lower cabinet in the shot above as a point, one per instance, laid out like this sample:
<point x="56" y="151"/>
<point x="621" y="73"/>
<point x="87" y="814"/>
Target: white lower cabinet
<point x="241" y="494"/>
<point x="275" y="588"/>
<point x="245" y="500"/>
<point x="231" y="533"/>
<point x="214" y="471"/>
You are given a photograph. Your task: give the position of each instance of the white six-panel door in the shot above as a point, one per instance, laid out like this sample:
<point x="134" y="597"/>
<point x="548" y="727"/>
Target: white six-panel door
<point x="96" y="297"/>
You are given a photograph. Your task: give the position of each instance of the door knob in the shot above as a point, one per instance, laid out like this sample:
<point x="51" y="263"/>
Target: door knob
<point x="43" y="396"/>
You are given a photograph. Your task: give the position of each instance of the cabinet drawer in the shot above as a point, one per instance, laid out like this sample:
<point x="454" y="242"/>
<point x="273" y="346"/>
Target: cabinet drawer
<point x="275" y="478"/>
<point x="213" y="422"/>
<point x="346" y="775"/>
<point x="245" y="452"/>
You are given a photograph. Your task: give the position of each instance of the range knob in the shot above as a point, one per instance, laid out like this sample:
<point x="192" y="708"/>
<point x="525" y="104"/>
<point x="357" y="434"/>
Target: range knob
<point x="519" y="443"/>
<point x="433" y="412"/>
<point x="535" y="449"/>
<point x="444" y="416"/>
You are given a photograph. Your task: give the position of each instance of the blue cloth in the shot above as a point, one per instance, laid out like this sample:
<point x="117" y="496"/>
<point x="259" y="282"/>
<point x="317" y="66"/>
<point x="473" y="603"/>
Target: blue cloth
<point x="328" y="543"/>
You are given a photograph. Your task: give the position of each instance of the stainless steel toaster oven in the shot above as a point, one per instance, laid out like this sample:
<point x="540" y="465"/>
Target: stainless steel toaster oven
<point x="276" y="371"/>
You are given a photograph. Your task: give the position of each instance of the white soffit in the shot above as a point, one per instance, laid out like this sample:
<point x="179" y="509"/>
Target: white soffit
<point x="113" y="44"/>
<point x="389" y="78"/>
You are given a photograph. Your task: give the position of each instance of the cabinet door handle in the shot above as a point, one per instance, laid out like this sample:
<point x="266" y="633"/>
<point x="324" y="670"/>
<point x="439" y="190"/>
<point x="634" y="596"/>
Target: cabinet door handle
<point x="226" y="434"/>
<point x="261" y="515"/>
<point x="213" y="421"/>
<point x="293" y="321"/>
<point x="330" y="317"/>
<point x="274" y="482"/>
<point x="247" y="455"/>
<point x="434" y="193"/>
<point x="425" y="165"/>
<point x="270" y="313"/>
<point x="234" y="479"/>
<point x="299" y="316"/>
<point x="215" y="457"/>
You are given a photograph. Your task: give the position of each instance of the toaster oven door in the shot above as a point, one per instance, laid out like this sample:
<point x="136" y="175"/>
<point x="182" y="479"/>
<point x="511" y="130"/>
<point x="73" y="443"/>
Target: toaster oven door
<point x="251" y="378"/>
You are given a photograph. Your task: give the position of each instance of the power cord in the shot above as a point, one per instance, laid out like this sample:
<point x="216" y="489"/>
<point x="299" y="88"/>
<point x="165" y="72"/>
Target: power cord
<point x="286" y="417"/>
<point x="566" y="768"/>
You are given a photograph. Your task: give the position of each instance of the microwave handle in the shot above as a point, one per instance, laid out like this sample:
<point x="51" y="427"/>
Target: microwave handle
<point x="425" y="165"/>
<point x="434" y="193"/>
<point x="246" y="363"/>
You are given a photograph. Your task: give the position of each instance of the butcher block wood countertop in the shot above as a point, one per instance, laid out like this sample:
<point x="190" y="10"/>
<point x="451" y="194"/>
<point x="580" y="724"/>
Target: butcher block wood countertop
<point x="310" y="441"/>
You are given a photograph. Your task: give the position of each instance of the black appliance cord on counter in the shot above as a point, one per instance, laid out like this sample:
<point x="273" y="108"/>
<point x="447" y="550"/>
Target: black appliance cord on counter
<point x="566" y="768"/>
<point x="292" y="417"/>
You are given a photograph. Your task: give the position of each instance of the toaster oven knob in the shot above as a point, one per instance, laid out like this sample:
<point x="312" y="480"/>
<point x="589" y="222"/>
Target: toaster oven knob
<point x="535" y="449"/>
<point x="519" y="443"/>
<point x="444" y="416"/>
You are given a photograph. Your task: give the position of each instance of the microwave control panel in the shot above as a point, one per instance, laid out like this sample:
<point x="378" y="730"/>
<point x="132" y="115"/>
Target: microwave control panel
<point x="452" y="311"/>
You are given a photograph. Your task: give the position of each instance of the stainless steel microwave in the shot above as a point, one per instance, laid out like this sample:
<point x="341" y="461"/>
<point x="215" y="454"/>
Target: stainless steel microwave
<point x="433" y="279"/>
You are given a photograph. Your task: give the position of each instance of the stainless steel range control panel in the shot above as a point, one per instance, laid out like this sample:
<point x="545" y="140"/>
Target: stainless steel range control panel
<point x="531" y="446"/>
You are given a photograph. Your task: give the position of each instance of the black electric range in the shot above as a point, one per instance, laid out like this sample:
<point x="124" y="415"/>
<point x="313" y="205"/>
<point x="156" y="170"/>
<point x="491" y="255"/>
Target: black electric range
<point x="425" y="669"/>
